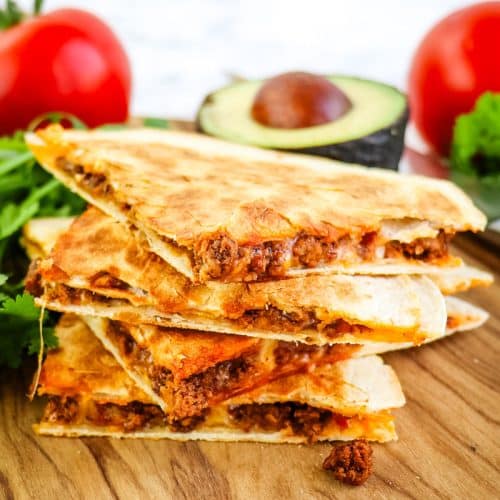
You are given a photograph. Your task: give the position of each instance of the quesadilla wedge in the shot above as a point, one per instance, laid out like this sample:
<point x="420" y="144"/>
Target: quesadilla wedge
<point x="98" y="268"/>
<point x="221" y="211"/>
<point x="96" y="233"/>
<point x="90" y="395"/>
<point x="186" y="371"/>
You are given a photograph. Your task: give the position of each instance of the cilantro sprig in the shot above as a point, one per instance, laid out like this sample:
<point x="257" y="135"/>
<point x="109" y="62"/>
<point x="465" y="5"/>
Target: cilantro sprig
<point x="475" y="153"/>
<point x="26" y="191"/>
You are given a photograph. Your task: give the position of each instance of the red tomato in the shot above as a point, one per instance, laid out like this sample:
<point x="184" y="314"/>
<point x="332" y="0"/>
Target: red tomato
<point x="456" y="62"/>
<point x="67" y="60"/>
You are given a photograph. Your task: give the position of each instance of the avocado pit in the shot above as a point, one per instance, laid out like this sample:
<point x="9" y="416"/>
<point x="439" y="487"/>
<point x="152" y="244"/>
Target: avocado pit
<point x="298" y="100"/>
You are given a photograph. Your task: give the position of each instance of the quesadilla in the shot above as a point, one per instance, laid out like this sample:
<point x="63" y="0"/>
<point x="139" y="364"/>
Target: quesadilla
<point x="90" y="395"/>
<point x="185" y="372"/>
<point x="220" y="211"/>
<point x="98" y="268"/>
<point x="41" y="235"/>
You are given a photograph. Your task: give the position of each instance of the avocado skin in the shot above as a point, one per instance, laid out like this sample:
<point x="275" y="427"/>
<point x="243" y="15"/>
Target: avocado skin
<point x="381" y="149"/>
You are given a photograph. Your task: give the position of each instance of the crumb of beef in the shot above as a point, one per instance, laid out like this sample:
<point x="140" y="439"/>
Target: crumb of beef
<point x="425" y="249"/>
<point x="130" y="417"/>
<point x="350" y="462"/>
<point x="61" y="410"/>
<point x="304" y="420"/>
<point x="187" y="424"/>
<point x="217" y="256"/>
<point x="193" y="394"/>
<point x="310" y="251"/>
<point x="33" y="280"/>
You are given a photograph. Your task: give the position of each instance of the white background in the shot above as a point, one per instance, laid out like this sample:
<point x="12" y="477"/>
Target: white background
<point x="180" y="50"/>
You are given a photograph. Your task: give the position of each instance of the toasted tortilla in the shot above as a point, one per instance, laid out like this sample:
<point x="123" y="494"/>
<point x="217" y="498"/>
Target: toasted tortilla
<point x="186" y="371"/>
<point x="359" y="393"/>
<point x="40" y="235"/>
<point x="96" y="233"/>
<point x="193" y="359"/>
<point x="99" y="268"/>
<point x="462" y="316"/>
<point x="214" y="210"/>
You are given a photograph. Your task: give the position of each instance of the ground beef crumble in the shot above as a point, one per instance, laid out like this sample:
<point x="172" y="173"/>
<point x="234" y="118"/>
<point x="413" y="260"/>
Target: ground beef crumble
<point x="302" y="419"/>
<point x="350" y="462"/>
<point x="61" y="410"/>
<point x="221" y="257"/>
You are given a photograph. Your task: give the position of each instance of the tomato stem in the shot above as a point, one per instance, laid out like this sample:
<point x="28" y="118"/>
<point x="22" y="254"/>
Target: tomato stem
<point x="37" y="7"/>
<point x="10" y="15"/>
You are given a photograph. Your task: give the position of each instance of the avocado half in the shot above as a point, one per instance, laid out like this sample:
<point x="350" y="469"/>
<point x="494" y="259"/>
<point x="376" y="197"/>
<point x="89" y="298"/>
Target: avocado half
<point x="371" y="133"/>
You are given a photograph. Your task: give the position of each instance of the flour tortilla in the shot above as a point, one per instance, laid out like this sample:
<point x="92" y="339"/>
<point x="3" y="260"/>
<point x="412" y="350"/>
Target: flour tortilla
<point x="181" y="189"/>
<point x="363" y="390"/>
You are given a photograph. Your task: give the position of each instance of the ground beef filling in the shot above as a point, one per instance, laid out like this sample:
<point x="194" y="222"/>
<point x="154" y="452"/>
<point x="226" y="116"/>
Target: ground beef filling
<point x="65" y="295"/>
<point x="161" y="378"/>
<point x="298" y="356"/>
<point x="131" y="417"/>
<point x="91" y="181"/>
<point x="270" y="319"/>
<point x="424" y="249"/>
<point x="191" y="396"/>
<point x="275" y="320"/>
<point x="61" y="410"/>
<point x="301" y="419"/>
<point x="106" y="280"/>
<point x="221" y="257"/>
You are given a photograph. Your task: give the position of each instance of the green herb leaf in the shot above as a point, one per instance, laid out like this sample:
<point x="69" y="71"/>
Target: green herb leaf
<point x="37" y="7"/>
<point x="475" y="154"/>
<point x="49" y="339"/>
<point x="10" y="15"/>
<point x="155" y="122"/>
<point x="22" y="306"/>
<point x="26" y="191"/>
<point x="476" y="138"/>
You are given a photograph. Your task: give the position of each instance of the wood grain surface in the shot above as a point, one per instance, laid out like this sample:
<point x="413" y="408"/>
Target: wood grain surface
<point x="449" y="440"/>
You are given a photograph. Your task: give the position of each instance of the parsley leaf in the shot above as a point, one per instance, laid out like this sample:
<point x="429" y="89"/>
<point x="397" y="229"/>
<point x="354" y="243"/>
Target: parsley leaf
<point x="22" y="306"/>
<point x="475" y="153"/>
<point x="476" y="138"/>
<point x="26" y="191"/>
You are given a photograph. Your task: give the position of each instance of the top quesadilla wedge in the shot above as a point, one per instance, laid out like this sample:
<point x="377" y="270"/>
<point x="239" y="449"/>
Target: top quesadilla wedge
<point x="90" y="395"/>
<point x="221" y="211"/>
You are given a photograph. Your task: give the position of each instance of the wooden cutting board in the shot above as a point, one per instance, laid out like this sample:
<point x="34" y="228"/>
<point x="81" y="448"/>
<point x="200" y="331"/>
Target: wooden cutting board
<point x="449" y="437"/>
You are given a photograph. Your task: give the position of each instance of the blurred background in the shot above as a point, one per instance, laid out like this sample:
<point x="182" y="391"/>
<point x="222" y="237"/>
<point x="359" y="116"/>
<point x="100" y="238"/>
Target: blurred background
<point x="182" y="49"/>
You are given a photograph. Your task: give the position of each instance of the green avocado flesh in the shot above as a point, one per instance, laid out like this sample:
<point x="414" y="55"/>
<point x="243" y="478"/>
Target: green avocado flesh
<point x="375" y="106"/>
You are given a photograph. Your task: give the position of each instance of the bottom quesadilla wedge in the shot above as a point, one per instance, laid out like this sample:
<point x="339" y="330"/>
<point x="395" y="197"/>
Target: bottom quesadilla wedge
<point x="184" y="372"/>
<point x="90" y="395"/>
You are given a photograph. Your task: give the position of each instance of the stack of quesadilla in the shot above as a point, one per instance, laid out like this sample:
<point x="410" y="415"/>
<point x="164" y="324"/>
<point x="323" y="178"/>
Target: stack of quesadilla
<point x="216" y="291"/>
